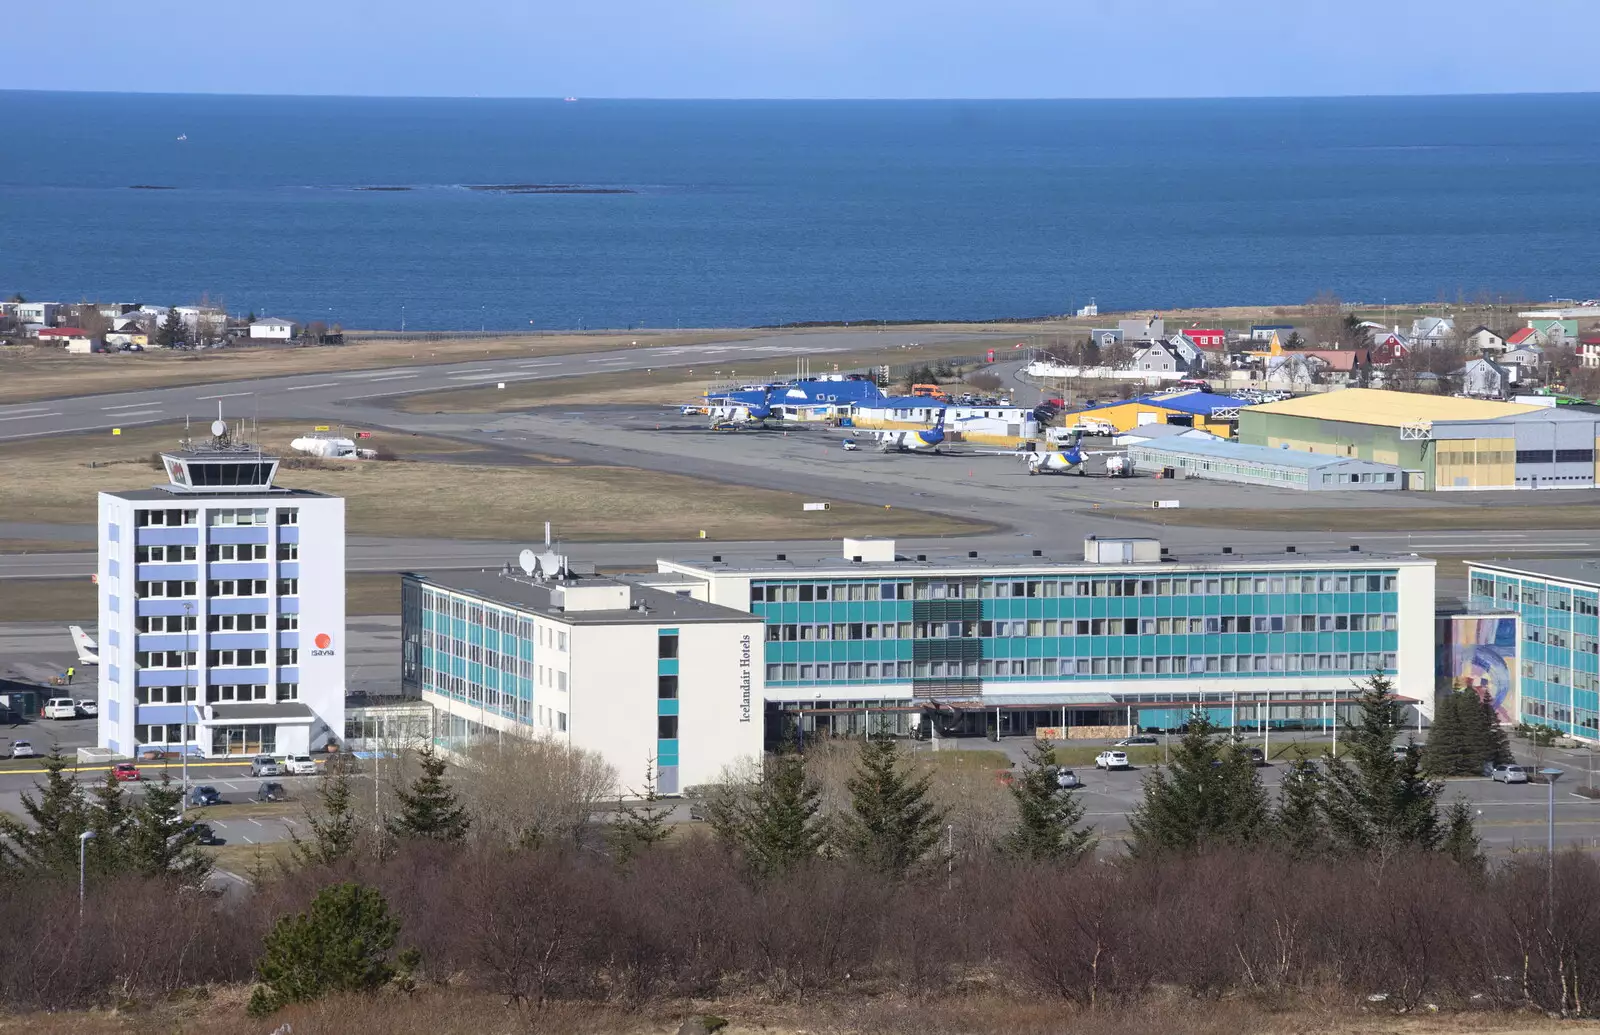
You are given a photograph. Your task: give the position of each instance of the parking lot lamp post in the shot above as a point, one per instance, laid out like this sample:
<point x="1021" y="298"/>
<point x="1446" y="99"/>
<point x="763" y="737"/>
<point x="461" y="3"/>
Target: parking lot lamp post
<point x="1551" y="775"/>
<point x="83" y="855"/>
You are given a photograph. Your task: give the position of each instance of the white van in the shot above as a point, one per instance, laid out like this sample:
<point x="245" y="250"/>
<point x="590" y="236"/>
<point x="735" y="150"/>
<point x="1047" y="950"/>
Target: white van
<point x="60" y="708"/>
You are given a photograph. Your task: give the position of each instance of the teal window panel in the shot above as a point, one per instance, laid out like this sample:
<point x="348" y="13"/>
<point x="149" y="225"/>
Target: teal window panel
<point x="666" y="707"/>
<point x="458" y="667"/>
<point x="475" y="672"/>
<point x="666" y="752"/>
<point x="667" y="666"/>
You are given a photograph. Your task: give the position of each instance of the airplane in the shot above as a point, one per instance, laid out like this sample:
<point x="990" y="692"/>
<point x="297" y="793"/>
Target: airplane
<point x="1072" y="459"/>
<point x="727" y="413"/>
<point x="86" y="646"/>
<point x="910" y="441"/>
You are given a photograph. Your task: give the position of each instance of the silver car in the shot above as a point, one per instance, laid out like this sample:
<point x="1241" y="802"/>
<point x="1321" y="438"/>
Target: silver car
<point x="1509" y="774"/>
<point x="265" y="765"/>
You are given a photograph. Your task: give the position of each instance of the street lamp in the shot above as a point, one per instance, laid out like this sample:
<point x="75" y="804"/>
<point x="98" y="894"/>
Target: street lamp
<point x="83" y="845"/>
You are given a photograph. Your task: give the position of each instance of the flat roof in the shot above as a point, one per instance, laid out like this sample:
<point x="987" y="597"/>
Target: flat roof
<point x="1220" y="449"/>
<point x="179" y="494"/>
<point x="292" y="711"/>
<point x="1566" y="569"/>
<point x="1391" y="409"/>
<point x="954" y="565"/>
<point x="536" y="598"/>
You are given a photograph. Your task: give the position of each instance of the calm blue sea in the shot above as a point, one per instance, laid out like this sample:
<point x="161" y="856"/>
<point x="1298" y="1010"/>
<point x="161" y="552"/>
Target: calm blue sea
<point x="767" y="212"/>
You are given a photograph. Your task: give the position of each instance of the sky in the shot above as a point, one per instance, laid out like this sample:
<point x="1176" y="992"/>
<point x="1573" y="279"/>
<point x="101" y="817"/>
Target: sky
<point x="804" y="48"/>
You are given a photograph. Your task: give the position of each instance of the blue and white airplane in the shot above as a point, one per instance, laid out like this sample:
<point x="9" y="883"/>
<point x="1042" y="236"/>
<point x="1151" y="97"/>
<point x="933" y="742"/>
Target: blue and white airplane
<point x="912" y="440"/>
<point x="728" y="410"/>
<point x="1072" y="458"/>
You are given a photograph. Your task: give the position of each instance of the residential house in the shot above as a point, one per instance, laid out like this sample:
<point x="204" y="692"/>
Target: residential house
<point x="1105" y="337"/>
<point x="1207" y="337"/>
<point x="1485" y="379"/>
<point x="56" y="335"/>
<point x="82" y="346"/>
<point x="1555" y="332"/>
<point x="42" y="313"/>
<point x="1341" y="366"/>
<point x="1527" y="359"/>
<point x="1589" y="349"/>
<point x="273" y="329"/>
<point x="204" y="321"/>
<point x="1265" y="331"/>
<point x="1153" y="329"/>
<point x="134" y="336"/>
<point x="1432" y="330"/>
<point x="1295" y="370"/>
<point x="1389" y="345"/>
<point x="1188" y="353"/>
<point x="1159" y="357"/>
<point x="1524" y="336"/>
<point x="1485" y="342"/>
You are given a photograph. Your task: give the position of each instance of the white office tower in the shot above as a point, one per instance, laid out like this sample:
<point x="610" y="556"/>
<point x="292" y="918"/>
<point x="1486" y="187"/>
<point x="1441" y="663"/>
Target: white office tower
<point x="221" y="609"/>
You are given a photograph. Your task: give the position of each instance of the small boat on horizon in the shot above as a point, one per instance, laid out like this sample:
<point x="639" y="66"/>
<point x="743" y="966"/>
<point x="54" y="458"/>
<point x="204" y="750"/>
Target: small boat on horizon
<point x="183" y="136"/>
<point x="569" y="100"/>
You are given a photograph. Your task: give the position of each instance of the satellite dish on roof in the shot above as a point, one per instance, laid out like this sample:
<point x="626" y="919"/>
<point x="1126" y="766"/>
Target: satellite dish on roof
<point x="552" y="565"/>
<point x="219" y="428"/>
<point x="525" y="560"/>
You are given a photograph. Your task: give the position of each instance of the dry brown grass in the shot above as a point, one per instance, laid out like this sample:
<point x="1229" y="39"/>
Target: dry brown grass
<point x="47" y="374"/>
<point x="458" y="501"/>
<point x="1404" y="519"/>
<point x="674" y="385"/>
<point x="45" y="546"/>
<point x="220" y="1011"/>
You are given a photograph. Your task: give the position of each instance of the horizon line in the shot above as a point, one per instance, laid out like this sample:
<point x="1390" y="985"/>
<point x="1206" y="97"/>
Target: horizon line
<point x="811" y="100"/>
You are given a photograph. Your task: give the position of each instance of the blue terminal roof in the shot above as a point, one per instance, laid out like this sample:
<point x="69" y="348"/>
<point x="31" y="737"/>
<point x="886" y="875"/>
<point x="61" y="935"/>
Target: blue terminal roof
<point x="814" y="393"/>
<point x="1221" y="449"/>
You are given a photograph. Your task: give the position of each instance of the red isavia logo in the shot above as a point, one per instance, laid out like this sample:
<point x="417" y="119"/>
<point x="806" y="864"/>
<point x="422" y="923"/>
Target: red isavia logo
<point x="322" y="641"/>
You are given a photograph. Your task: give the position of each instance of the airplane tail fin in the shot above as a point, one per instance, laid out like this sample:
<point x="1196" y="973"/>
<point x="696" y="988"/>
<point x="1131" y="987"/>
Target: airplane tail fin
<point x="85" y="644"/>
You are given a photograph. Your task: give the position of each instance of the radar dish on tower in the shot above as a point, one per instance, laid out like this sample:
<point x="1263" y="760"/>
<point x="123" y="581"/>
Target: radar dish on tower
<point x="525" y="560"/>
<point x="219" y="428"/>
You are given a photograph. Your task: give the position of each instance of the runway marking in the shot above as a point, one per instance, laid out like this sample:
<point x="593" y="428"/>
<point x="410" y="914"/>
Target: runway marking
<point x="392" y="377"/>
<point x="230" y="395"/>
<point x="124" y="406"/>
<point x="1520" y="547"/>
<point x="30" y="416"/>
<point x="27" y="409"/>
<point x="137" y="413"/>
<point x="325" y="384"/>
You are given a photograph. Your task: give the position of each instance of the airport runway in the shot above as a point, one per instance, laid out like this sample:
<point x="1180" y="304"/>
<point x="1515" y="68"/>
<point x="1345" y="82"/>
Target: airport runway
<point x="312" y="395"/>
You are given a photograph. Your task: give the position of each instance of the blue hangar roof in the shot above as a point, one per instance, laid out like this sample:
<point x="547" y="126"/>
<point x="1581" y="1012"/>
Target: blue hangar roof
<point x="814" y="393"/>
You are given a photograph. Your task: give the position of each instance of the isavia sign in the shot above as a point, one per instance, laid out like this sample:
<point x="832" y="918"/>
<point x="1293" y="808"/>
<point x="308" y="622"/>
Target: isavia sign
<point x="324" y="647"/>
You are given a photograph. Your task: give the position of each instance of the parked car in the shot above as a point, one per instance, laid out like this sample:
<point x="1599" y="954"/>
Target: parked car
<point x="271" y="792"/>
<point x="1131" y="741"/>
<point x="1256" y="756"/>
<point x="204" y="795"/>
<point x="22" y="749"/>
<point x="125" y="771"/>
<point x="88" y="708"/>
<point x="265" y="765"/>
<point x="204" y="834"/>
<point x="60" y="708"/>
<point x="1509" y="774"/>
<point x="1066" y="779"/>
<point x="1111" y="760"/>
<point x="297" y="765"/>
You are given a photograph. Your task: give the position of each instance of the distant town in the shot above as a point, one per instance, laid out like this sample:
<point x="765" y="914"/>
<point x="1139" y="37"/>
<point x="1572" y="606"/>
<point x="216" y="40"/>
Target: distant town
<point x="86" y="328"/>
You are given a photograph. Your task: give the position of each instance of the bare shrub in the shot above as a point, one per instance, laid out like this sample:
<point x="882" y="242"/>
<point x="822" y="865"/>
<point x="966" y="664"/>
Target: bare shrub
<point x="524" y="792"/>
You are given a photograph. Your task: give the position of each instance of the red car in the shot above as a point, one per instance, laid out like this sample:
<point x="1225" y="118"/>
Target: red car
<point x="126" y="771"/>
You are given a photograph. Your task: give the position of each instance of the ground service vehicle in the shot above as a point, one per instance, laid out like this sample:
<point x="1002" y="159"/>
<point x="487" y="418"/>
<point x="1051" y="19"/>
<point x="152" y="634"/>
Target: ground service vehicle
<point x="60" y="708"/>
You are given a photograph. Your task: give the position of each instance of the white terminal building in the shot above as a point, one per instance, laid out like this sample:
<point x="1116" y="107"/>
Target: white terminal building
<point x="704" y="663"/>
<point x="221" y="610"/>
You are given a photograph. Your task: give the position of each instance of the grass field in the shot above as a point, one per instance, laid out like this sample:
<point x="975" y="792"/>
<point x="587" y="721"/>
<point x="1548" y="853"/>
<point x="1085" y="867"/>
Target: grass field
<point x="1411" y="519"/>
<point x="457" y="500"/>
<point x="670" y="385"/>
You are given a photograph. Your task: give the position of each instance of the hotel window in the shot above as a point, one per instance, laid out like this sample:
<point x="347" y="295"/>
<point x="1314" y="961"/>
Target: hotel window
<point x="287" y="551"/>
<point x="288" y="587"/>
<point x="287" y="621"/>
<point x="667" y="727"/>
<point x="288" y="691"/>
<point x="288" y="515"/>
<point x="667" y="645"/>
<point x="164" y="518"/>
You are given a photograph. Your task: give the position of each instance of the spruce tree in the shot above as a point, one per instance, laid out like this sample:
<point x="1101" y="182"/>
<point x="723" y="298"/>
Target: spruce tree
<point x="1457" y="741"/>
<point x="892" y="824"/>
<point x="641" y="825"/>
<point x="340" y="944"/>
<point x="1497" y="742"/>
<point x="1376" y="799"/>
<point x="1298" y="821"/>
<point x="161" y="841"/>
<point x="1461" y="841"/>
<point x="429" y="809"/>
<point x="1209" y="794"/>
<point x="106" y="813"/>
<point x="48" y="845"/>
<point x="171" y="332"/>
<point x="332" y="823"/>
<point x="1047" y="814"/>
<point x="778" y="826"/>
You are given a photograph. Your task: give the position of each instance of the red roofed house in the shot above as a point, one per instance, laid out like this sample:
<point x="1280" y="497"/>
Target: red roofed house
<point x="57" y="333"/>
<point x="1589" y="349"/>
<point x="1208" y="338"/>
<point x="1525" y="336"/>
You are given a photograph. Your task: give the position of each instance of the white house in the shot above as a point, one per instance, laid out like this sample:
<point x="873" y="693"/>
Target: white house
<point x="272" y="328"/>
<point x="1432" y="330"/>
<point x="1484" y="379"/>
<point x="1484" y="341"/>
<point x="42" y="313"/>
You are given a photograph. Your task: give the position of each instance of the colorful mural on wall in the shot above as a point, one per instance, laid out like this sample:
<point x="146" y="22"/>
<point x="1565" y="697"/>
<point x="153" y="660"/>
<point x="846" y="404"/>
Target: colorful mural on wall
<point x="1480" y="652"/>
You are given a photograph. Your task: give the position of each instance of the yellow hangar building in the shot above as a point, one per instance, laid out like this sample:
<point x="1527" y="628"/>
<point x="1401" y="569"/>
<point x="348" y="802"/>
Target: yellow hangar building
<point x="1442" y="442"/>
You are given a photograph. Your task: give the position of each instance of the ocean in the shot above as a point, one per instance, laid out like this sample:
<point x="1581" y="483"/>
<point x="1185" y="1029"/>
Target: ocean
<point x="696" y="214"/>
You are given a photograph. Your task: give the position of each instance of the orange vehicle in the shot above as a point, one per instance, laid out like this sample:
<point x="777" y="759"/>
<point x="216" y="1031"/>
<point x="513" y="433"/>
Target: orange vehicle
<point x="930" y="392"/>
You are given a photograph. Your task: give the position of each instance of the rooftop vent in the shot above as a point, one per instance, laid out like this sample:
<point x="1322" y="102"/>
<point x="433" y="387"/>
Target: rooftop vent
<point x="1288" y="549"/>
<point x="783" y="556"/>
<point x="876" y="551"/>
<point x="972" y="553"/>
<point x="1227" y="549"/>
<point x="716" y="558"/>
<point x="922" y="556"/>
<point x="1355" y="548"/>
<point x="1165" y="551"/>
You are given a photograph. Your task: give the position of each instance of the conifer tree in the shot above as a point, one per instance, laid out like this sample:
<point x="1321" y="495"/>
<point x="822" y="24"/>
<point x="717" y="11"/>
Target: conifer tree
<point x="106" y="813"/>
<point x="1461" y="841"/>
<point x="170" y="332"/>
<point x="1376" y="800"/>
<point x="340" y="944"/>
<point x="777" y="826"/>
<point x="429" y="809"/>
<point x="1298" y="823"/>
<point x="1209" y="794"/>
<point x="892" y="825"/>
<point x="161" y="841"/>
<point x="1458" y="743"/>
<point x="641" y="825"/>
<point x="1048" y="814"/>
<point x="1497" y="741"/>
<point x="48" y="844"/>
<point x="332" y="823"/>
